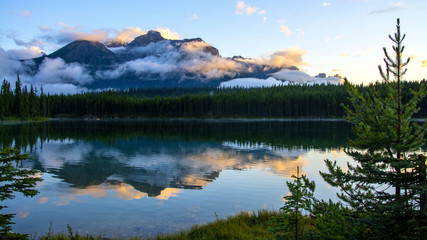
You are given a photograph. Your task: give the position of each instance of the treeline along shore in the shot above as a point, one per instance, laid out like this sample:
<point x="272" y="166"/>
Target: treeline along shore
<point x="293" y="101"/>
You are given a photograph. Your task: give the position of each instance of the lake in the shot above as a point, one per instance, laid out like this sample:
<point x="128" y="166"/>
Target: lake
<point x="140" y="178"/>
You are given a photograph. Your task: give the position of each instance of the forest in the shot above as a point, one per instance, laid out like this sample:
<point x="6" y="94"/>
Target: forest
<point x="293" y="101"/>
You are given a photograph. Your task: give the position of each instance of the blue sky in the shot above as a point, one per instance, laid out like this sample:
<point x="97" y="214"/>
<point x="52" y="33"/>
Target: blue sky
<point x="336" y="36"/>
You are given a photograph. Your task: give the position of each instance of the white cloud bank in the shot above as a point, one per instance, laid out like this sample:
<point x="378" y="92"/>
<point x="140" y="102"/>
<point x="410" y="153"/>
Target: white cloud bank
<point x="281" y="78"/>
<point x="252" y="83"/>
<point x="57" y="71"/>
<point x="186" y="60"/>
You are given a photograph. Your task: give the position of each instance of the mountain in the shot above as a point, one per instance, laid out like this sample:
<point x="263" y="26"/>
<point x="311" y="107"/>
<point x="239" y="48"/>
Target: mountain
<point x="154" y="36"/>
<point x="144" y="40"/>
<point x="116" y="43"/>
<point x="86" y="52"/>
<point x="149" y="60"/>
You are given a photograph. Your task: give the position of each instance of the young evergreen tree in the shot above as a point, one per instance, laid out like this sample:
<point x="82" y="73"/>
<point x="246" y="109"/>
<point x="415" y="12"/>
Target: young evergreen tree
<point x="12" y="180"/>
<point x="293" y="223"/>
<point x="388" y="184"/>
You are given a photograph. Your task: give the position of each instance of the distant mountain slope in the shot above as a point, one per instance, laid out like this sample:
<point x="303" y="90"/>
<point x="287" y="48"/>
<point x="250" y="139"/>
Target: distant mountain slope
<point x="86" y="52"/>
<point x="149" y="60"/>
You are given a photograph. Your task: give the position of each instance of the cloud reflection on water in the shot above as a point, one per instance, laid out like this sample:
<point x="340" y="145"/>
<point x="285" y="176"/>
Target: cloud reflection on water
<point x="150" y="168"/>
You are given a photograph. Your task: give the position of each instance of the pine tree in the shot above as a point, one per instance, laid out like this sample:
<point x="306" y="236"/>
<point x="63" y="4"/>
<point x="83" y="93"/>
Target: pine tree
<point x="19" y="105"/>
<point x="292" y="223"/>
<point x="388" y="183"/>
<point x="12" y="180"/>
<point x="7" y="96"/>
<point x="34" y="102"/>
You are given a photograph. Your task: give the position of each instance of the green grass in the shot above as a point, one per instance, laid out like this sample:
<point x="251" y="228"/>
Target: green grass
<point x="16" y="119"/>
<point x="241" y="226"/>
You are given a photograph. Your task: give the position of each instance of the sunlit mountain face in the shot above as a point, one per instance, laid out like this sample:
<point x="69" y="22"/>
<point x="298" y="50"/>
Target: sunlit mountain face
<point x="150" y="60"/>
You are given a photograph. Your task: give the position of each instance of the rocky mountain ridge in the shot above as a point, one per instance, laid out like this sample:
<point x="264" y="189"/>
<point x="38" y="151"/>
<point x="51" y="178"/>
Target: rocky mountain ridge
<point x="150" y="60"/>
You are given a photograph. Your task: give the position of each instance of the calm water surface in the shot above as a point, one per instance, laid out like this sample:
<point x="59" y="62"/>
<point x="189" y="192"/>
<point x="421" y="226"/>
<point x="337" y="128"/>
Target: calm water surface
<point x="140" y="178"/>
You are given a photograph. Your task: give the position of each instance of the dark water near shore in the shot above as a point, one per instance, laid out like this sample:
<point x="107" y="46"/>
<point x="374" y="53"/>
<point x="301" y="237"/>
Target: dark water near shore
<point x="139" y="178"/>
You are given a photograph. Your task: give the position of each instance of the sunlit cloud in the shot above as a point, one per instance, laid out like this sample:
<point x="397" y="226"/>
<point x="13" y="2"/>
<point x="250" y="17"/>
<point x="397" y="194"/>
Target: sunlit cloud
<point x="168" y="34"/>
<point x="24" y="53"/>
<point x="65" y="33"/>
<point x="288" y="57"/>
<point x="285" y="58"/>
<point x="264" y="19"/>
<point x="328" y="39"/>
<point x="338" y="72"/>
<point x="242" y="8"/>
<point x="344" y="55"/>
<point x="44" y="28"/>
<point x="128" y="34"/>
<point x="287" y="168"/>
<point x="195" y="17"/>
<point x="104" y="190"/>
<point x="364" y="53"/>
<point x="424" y="63"/>
<point x="25" y="13"/>
<point x="43" y="200"/>
<point x="127" y="192"/>
<point x="166" y="193"/>
<point x="326" y="4"/>
<point x="22" y="214"/>
<point x="286" y="30"/>
<point x="339" y="36"/>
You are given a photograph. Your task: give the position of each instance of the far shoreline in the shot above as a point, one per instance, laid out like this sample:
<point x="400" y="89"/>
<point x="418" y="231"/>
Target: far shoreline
<point x="142" y="119"/>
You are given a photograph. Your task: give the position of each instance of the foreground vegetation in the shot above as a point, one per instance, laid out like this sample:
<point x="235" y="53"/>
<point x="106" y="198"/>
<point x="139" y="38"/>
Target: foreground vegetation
<point x="383" y="197"/>
<point x="242" y="226"/>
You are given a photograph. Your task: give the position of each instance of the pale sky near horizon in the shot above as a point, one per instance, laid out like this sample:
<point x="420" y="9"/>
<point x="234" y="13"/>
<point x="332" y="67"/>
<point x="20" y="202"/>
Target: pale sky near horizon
<point x="336" y="36"/>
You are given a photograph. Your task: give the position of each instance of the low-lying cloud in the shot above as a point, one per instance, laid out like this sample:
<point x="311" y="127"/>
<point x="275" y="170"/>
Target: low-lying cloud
<point x="303" y="78"/>
<point x="57" y="71"/>
<point x="23" y="53"/>
<point x="163" y="58"/>
<point x="285" y="58"/>
<point x="54" y="75"/>
<point x="192" y="57"/>
<point x="184" y="60"/>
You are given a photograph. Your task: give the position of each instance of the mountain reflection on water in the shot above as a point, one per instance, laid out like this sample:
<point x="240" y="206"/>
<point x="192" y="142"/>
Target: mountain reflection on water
<point x="120" y="161"/>
<point x="152" y="156"/>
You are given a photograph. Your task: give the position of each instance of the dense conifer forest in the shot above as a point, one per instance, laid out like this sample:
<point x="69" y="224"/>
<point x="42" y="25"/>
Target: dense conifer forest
<point x="293" y="101"/>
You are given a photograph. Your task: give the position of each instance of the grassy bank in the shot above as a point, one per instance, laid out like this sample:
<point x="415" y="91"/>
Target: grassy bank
<point x="241" y="226"/>
<point x="12" y="119"/>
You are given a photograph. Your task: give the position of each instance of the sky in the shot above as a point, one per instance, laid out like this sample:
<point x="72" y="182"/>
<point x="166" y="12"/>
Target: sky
<point x="343" y="37"/>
